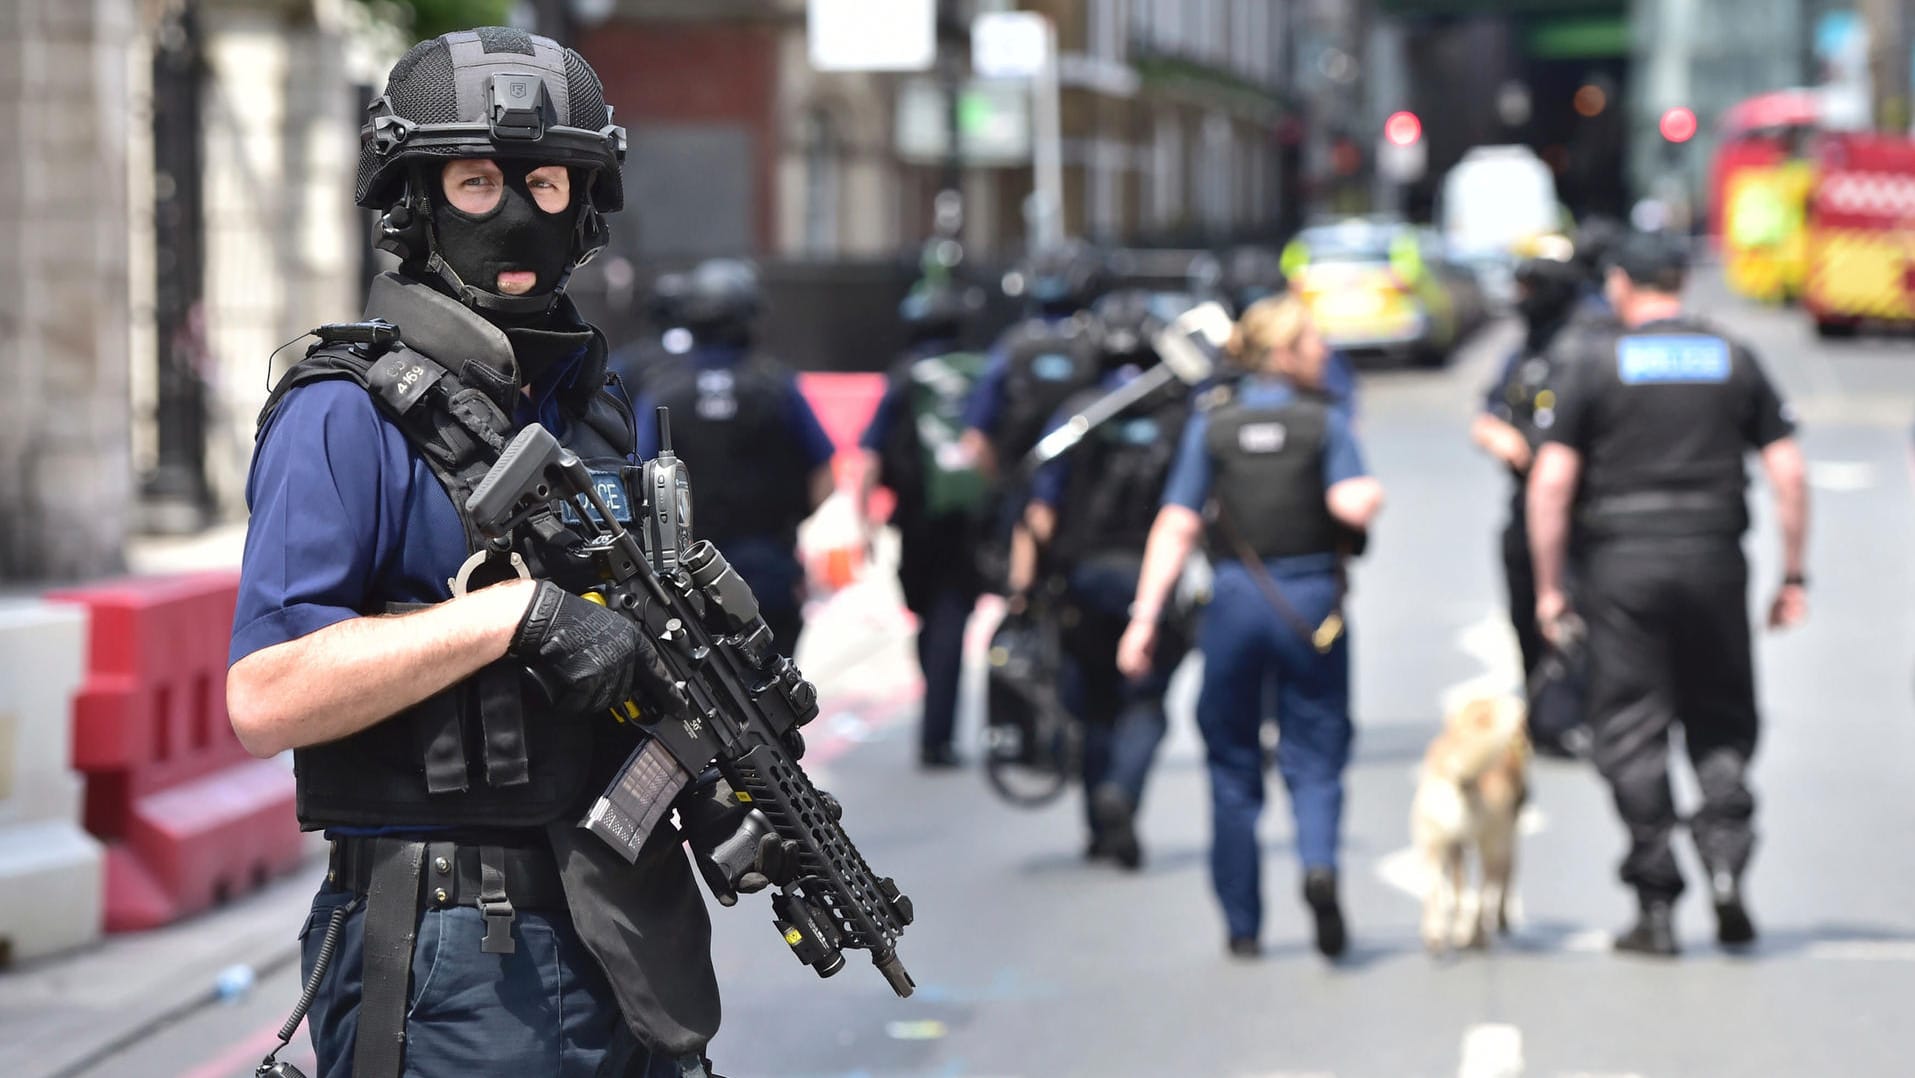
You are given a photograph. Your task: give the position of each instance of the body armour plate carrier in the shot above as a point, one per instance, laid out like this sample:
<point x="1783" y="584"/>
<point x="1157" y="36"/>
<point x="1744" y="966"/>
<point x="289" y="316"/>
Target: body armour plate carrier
<point x="1046" y="364"/>
<point x="1117" y="478"/>
<point x="1268" y="491"/>
<point x="726" y="414"/>
<point x="467" y="756"/>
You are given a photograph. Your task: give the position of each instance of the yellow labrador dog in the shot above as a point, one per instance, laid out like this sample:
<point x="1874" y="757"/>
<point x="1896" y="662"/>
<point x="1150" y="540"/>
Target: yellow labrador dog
<point x="1473" y="785"/>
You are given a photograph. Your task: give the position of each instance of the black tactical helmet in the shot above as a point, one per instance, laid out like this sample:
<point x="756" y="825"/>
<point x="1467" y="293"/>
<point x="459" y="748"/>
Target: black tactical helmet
<point x="1065" y="277"/>
<point x="1547" y="288"/>
<point x="1595" y="244"/>
<point x="665" y="302"/>
<point x="937" y="312"/>
<point x="492" y="92"/>
<point x="720" y="298"/>
<point x="1127" y="321"/>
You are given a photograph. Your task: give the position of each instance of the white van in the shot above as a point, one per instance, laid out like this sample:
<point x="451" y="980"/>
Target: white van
<point x="1496" y="198"/>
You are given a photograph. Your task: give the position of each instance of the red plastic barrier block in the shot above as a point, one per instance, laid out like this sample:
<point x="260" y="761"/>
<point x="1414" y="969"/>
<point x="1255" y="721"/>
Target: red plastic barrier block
<point x="844" y="403"/>
<point x="189" y="817"/>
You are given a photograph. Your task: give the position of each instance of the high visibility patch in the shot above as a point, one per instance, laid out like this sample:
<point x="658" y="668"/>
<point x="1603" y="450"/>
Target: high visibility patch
<point x="1261" y="437"/>
<point x="1053" y="367"/>
<point x="1672" y="360"/>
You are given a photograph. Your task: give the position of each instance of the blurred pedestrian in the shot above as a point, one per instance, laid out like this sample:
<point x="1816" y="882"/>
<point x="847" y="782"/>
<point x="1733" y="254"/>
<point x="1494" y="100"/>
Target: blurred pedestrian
<point x="1518" y="410"/>
<point x="662" y="334"/>
<point x="943" y="496"/>
<point x="1274" y="475"/>
<point x="1035" y="365"/>
<point x="1646" y="460"/>
<point x="738" y="418"/>
<point x="1091" y="511"/>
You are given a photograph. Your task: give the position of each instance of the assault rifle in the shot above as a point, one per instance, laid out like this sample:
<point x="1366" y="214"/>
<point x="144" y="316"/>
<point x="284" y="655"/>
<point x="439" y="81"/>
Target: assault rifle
<point x="1189" y="350"/>
<point x="747" y="702"/>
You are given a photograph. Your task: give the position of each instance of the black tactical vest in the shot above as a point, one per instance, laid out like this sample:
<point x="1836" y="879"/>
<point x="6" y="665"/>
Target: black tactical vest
<point x="729" y="427"/>
<point x="1117" y="477"/>
<point x="1267" y="491"/>
<point x="1046" y="364"/>
<point x="486" y="752"/>
<point x="1665" y="431"/>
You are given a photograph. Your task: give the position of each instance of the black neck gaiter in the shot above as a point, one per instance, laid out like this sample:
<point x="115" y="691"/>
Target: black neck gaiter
<point x="515" y="235"/>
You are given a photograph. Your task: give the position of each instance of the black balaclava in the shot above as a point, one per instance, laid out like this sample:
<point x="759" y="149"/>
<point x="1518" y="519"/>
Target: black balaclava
<point x="514" y="235"/>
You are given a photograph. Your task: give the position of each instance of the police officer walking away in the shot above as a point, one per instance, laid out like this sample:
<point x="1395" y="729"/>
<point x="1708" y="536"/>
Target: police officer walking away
<point x="1272" y="471"/>
<point x="912" y="446"/>
<point x="737" y="414"/>
<point x="1518" y="410"/>
<point x="1092" y="511"/>
<point x="471" y="927"/>
<point x="1644" y="467"/>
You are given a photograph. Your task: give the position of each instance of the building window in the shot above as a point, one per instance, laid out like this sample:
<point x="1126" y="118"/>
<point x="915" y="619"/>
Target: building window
<point x="821" y="183"/>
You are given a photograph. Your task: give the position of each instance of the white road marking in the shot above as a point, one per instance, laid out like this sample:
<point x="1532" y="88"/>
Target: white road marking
<point x="1491" y="1050"/>
<point x="1588" y="941"/>
<point x="1863" y="950"/>
<point x="1405" y="871"/>
<point x="1841" y="476"/>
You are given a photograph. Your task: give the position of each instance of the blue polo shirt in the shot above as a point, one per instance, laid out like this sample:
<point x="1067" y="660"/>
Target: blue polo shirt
<point x="1192" y="473"/>
<point x="346" y="516"/>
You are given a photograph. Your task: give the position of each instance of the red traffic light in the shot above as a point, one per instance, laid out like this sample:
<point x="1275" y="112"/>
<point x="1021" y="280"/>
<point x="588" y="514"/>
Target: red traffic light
<point x="1402" y="128"/>
<point x="1678" y="124"/>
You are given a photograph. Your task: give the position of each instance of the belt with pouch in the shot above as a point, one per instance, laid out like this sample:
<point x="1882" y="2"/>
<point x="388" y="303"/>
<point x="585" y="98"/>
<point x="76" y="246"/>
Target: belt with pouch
<point x="399" y="877"/>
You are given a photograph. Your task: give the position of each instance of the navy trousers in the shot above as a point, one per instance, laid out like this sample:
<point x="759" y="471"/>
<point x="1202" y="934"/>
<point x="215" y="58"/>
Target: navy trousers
<point x="545" y="1009"/>
<point x="941" y="657"/>
<point x="1246" y="644"/>
<point x="1123" y="720"/>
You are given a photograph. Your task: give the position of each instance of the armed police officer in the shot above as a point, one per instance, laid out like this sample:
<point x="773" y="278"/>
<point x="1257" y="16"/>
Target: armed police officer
<point x="1035" y="365"/>
<point x="1273" y="472"/>
<point x="737" y="413"/>
<point x="943" y="497"/>
<point x="1518" y="411"/>
<point x="1092" y="510"/>
<point x="1642" y="479"/>
<point x="471" y="927"/>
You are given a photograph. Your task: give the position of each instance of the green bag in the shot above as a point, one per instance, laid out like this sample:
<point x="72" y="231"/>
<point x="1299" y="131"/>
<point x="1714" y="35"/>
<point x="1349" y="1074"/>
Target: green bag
<point x="940" y="387"/>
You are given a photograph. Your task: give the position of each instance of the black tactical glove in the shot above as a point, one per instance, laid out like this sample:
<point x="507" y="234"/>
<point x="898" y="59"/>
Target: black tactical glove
<point x="734" y="845"/>
<point x="588" y="658"/>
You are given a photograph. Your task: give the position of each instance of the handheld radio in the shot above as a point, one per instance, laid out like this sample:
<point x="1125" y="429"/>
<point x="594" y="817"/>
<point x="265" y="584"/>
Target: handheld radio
<point x="668" y="501"/>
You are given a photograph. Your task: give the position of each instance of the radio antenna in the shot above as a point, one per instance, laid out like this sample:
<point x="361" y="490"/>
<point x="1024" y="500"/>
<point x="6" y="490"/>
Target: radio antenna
<point x="664" y="430"/>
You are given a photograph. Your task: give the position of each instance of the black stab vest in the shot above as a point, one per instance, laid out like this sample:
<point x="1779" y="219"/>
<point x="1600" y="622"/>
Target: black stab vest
<point x="1047" y="364"/>
<point x="1267" y="489"/>
<point x="1117" y="477"/>
<point x="487" y="752"/>
<point x="729" y="427"/>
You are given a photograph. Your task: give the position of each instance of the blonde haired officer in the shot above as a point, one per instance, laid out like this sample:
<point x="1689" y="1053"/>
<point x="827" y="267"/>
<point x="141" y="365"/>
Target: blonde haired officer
<point x="1271" y="471"/>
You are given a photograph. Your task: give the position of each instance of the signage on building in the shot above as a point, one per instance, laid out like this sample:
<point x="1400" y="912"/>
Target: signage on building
<point x="1009" y="44"/>
<point x="993" y="120"/>
<point x="872" y="35"/>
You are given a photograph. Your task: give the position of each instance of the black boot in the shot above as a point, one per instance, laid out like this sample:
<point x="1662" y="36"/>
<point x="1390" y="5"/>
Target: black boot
<point x="1320" y="894"/>
<point x="1733" y="927"/>
<point x="1117" y="826"/>
<point x="1655" y="931"/>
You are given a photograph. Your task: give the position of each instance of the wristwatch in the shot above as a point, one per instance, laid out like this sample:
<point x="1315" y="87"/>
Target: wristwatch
<point x="1796" y="580"/>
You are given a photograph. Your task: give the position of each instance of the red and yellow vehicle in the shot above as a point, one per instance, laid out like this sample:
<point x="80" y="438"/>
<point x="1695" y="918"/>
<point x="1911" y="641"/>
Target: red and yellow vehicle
<point x="1861" y="233"/>
<point x="1760" y="186"/>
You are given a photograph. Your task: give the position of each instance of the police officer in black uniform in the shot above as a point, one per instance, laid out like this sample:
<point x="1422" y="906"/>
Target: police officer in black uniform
<point x="1644" y="468"/>
<point x="1518" y="410"/>
<point x="664" y="333"/>
<point x="737" y="413"/>
<point x="471" y="927"/>
<point x="1092" y="510"/>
